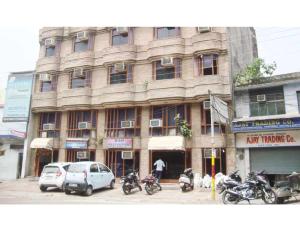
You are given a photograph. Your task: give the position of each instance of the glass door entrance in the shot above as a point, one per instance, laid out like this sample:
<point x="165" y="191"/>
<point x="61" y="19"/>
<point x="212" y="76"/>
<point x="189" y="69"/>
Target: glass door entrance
<point x="175" y="162"/>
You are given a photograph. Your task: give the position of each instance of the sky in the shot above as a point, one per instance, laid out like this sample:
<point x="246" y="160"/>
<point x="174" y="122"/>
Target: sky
<point x="19" y="49"/>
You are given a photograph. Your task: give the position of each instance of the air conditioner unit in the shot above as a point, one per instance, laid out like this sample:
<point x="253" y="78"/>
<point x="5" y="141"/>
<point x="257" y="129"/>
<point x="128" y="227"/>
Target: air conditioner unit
<point x="203" y="29"/>
<point x="82" y="35"/>
<point x="207" y="153"/>
<point x="122" y="30"/>
<point x="261" y="98"/>
<point x="206" y="105"/>
<point x="127" y="124"/>
<point x="45" y="77"/>
<point x="49" y="127"/>
<point x="78" y="72"/>
<point x="84" y="125"/>
<point x="127" y="155"/>
<point x="119" y="67"/>
<point x="154" y="123"/>
<point x="167" y="61"/>
<point x="82" y="155"/>
<point x="44" y="134"/>
<point x="50" y="42"/>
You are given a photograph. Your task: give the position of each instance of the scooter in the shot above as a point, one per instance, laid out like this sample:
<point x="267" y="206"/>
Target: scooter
<point x="186" y="180"/>
<point x="129" y="182"/>
<point x="151" y="183"/>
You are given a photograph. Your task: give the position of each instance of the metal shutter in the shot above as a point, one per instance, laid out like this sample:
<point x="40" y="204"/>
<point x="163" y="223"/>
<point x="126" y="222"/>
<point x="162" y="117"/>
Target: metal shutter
<point x="279" y="160"/>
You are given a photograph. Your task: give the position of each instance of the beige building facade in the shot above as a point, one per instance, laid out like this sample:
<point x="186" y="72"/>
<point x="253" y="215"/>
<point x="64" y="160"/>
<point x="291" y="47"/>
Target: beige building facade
<point x="111" y="94"/>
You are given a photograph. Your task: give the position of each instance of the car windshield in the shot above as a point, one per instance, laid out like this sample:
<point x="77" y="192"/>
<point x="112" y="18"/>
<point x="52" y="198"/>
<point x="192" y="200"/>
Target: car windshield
<point x="50" y="169"/>
<point x="76" y="168"/>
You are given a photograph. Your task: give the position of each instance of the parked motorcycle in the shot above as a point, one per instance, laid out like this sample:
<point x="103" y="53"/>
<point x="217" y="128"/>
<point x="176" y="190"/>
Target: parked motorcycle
<point x="151" y="183"/>
<point x="130" y="182"/>
<point x="287" y="189"/>
<point x="186" y="180"/>
<point x="233" y="180"/>
<point x="256" y="186"/>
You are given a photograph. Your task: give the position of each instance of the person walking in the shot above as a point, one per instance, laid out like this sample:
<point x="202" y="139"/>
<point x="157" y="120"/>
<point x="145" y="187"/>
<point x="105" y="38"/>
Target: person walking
<point x="159" y="168"/>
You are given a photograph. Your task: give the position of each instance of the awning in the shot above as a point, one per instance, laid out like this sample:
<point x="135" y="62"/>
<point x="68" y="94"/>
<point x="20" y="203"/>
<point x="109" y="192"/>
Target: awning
<point x="46" y="143"/>
<point x="166" y="143"/>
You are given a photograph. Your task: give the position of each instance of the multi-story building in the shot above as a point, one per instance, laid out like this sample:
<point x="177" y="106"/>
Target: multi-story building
<point x="111" y="95"/>
<point x="267" y="126"/>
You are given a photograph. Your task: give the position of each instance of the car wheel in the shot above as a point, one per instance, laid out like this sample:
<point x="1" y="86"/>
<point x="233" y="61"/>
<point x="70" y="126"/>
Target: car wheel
<point x="67" y="192"/>
<point x="63" y="188"/>
<point x="112" y="184"/>
<point x="43" y="188"/>
<point x="88" y="191"/>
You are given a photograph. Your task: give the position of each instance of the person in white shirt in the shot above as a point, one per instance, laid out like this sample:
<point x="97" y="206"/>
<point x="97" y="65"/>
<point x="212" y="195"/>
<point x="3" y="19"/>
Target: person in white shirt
<point x="159" y="168"/>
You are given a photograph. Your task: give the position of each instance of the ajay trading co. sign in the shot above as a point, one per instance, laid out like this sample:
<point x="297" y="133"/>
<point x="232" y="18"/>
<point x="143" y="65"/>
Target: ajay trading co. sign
<point x="268" y="139"/>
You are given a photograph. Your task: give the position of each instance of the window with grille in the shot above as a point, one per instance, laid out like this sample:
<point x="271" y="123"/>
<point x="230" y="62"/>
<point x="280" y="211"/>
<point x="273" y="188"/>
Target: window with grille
<point x="50" y="118"/>
<point x="167" y="114"/>
<point x="124" y="76"/>
<point x="166" y="32"/>
<point x="114" y="118"/>
<point x="206" y="122"/>
<point x="167" y="72"/>
<point x="75" y="117"/>
<point x="80" y="81"/>
<point x="268" y="101"/>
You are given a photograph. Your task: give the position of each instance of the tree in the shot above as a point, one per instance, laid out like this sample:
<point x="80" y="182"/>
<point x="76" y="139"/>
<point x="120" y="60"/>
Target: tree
<point x="183" y="127"/>
<point x="254" y="72"/>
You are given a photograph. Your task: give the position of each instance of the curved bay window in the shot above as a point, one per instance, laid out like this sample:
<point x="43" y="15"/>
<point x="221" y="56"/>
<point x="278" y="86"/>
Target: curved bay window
<point x="51" y="85"/>
<point x="120" y="75"/>
<point x="120" y="166"/>
<point x="80" y="81"/>
<point x="207" y="64"/>
<point x="166" y="32"/>
<point x="49" y="124"/>
<point x="167" y="114"/>
<point x="121" y="35"/>
<point x="167" y="72"/>
<point x="73" y="157"/>
<point x="82" y="124"/>
<point x="220" y="161"/>
<point x="123" y="122"/>
<point x="205" y="122"/>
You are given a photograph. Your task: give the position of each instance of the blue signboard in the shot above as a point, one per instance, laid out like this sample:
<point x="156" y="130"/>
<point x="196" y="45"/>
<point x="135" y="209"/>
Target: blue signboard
<point x="17" y="100"/>
<point x="76" y="144"/>
<point x="266" y="125"/>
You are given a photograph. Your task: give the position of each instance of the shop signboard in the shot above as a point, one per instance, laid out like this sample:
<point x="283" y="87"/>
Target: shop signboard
<point x="17" y="100"/>
<point x="118" y="143"/>
<point x="265" y="125"/>
<point x="268" y="139"/>
<point x="76" y="144"/>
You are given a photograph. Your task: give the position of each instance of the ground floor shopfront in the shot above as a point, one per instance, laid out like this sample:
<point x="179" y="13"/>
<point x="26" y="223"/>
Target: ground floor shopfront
<point x="276" y="152"/>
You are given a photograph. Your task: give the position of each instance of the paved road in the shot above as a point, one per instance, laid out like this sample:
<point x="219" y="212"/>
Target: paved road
<point x="26" y="191"/>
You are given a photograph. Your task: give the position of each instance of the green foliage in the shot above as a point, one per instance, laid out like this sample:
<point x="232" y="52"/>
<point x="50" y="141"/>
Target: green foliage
<point x="183" y="127"/>
<point x="254" y="73"/>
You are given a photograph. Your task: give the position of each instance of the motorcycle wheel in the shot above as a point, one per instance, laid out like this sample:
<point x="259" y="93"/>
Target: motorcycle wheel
<point x="159" y="187"/>
<point x="227" y="198"/>
<point x="126" y="189"/>
<point x="140" y="188"/>
<point x="269" y="197"/>
<point x="183" y="188"/>
<point x="149" y="189"/>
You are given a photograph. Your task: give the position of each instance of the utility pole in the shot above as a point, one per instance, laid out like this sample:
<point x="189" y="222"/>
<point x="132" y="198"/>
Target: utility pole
<point x="213" y="153"/>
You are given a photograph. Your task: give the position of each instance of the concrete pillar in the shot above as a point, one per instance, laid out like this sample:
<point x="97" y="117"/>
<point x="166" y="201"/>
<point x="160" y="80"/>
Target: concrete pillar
<point x="197" y="160"/>
<point x="100" y="156"/>
<point x="247" y="160"/>
<point x="196" y="134"/>
<point x="63" y="136"/>
<point x="100" y="152"/>
<point x="230" y="159"/>
<point x="62" y="155"/>
<point x="144" y="152"/>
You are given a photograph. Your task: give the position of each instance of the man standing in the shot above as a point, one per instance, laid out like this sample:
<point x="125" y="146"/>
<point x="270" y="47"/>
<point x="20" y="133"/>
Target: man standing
<point x="159" y="168"/>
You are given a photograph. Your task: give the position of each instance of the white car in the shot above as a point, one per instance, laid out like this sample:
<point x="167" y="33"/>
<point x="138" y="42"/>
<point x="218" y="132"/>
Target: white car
<point x="53" y="175"/>
<point x="86" y="176"/>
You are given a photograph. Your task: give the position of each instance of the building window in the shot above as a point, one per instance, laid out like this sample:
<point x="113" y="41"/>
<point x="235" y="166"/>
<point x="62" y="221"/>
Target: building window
<point x="121" y="167"/>
<point x="50" y="51"/>
<point x="49" y="124"/>
<point x="269" y="101"/>
<point x="298" y="97"/>
<point x="123" y="75"/>
<point x="205" y="123"/>
<point x="208" y="64"/>
<point x="166" y="32"/>
<point x="85" y="43"/>
<point x="167" y="72"/>
<point x="167" y="114"/>
<point x="49" y="85"/>
<point x="77" y="129"/>
<point x="123" y="122"/>
<point x="120" y="38"/>
<point x="80" y="81"/>
<point x="72" y="155"/>
<point x="220" y="161"/>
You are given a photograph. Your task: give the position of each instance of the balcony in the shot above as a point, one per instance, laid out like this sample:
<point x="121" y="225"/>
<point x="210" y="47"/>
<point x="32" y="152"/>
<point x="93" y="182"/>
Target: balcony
<point x="48" y="64"/>
<point x="43" y="101"/>
<point x="74" y="98"/>
<point x="76" y="59"/>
